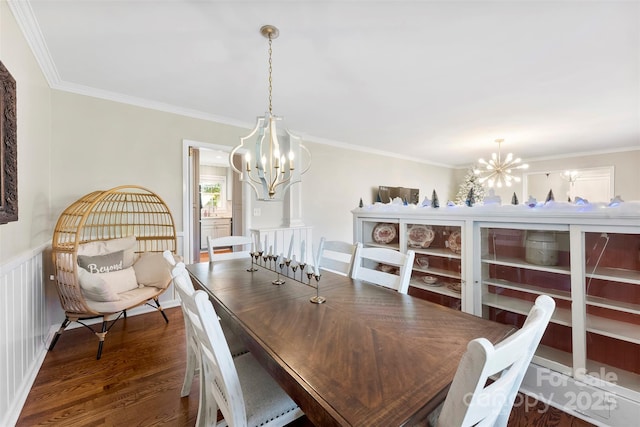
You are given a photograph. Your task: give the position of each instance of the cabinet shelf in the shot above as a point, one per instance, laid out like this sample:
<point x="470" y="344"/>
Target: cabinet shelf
<point x="627" y="307"/>
<point x="538" y="290"/>
<point x="561" y="316"/>
<point x="560" y="360"/>
<point x="520" y="263"/>
<point x="439" y="272"/>
<point x="438" y="252"/>
<point x="442" y="290"/>
<point x="623" y="379"/>
<point x="615" y="275"/>
<point x="613" y="328"/>
<point x="394" y="246"/>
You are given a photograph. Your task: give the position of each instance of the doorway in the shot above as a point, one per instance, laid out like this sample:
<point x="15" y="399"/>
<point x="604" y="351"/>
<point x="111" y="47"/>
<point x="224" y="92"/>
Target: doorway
<point x="215" y="202"/>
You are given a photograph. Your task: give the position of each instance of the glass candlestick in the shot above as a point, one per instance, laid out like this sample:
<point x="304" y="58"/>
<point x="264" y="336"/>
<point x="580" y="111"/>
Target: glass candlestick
<point x="251" y="256"/>
<point x="317" y="299"/>
<point x="279" y="263"/>
<point x="302" y="266"/>
<point x="309" y="273"/>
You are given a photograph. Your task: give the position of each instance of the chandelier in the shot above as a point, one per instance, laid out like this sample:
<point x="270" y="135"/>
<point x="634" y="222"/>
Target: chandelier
<point x="266" y="168"/>
<point x="497" y="171"/>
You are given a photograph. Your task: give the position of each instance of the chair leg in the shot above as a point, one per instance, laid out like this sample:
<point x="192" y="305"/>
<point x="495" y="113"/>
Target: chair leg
<point x="101" y="336"/>
<point x="166" y="319"/>
<point x="193" y="365"/>
<point x="65" y="323"/>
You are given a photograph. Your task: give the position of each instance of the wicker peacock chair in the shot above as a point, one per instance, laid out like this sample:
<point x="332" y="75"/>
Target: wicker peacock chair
<point x="99" y="218"/>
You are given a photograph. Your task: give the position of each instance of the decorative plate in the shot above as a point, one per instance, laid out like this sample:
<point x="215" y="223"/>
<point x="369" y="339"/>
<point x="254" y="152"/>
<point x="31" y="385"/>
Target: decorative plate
<point x="455" y="242"/>
<point x="455" y="287"/>
<point x="431" y="281"/>
<point x="384" y="233"/>
<point x="420" y="236"/>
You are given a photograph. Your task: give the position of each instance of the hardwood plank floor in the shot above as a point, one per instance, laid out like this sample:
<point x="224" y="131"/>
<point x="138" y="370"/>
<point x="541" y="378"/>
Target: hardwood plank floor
<point x="138" y="381"/>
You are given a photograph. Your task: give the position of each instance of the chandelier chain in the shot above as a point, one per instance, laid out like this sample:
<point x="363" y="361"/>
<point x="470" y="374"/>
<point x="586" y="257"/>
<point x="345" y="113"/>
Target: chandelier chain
<point x="270" y="79"/>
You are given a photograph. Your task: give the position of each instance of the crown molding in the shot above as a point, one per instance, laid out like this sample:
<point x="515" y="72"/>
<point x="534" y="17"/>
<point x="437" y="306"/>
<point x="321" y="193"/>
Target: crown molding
<point x="28" y="23"/>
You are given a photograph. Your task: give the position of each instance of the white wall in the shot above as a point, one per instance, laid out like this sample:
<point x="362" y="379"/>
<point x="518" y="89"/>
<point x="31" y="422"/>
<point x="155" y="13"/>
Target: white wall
<point x="23" y="318"/>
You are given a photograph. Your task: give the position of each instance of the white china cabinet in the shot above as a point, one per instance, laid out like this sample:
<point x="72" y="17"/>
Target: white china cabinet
<point x="493" y="261"/>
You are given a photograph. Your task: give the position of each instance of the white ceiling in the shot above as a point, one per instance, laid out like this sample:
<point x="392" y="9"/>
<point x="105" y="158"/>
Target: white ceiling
<point x="435" y="81"/>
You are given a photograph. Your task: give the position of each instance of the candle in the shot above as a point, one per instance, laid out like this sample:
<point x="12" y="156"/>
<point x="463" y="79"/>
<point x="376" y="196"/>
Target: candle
<point x="271" y="250"/>
<point x="302" y="248"/>
<point x="266" y="242"/>
<point x="253" y="246"/>
<point x="290" y="247"/>
<point x="319" y="255"/>
<point x="275" y="243"/>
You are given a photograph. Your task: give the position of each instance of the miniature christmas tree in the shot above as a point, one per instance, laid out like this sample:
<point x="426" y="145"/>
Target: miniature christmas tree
<point x="471" y="198"/>
<point x="435" y="203"/>
<point x="550" y="197"/>
<point x="360" y="205"/>
<point x="514" y="199"/>
<point x="471" y="181"/>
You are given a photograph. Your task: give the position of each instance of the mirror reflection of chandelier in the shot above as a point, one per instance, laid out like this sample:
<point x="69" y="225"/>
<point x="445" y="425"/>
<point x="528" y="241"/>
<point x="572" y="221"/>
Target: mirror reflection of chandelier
<point x="498" y="171"/>
<point x="571" y="176"/>
<point x="270" y="153"/>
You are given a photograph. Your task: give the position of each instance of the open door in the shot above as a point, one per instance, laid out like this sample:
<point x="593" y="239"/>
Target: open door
<point x="198" y="160"/>
<point x="195" y="202"/>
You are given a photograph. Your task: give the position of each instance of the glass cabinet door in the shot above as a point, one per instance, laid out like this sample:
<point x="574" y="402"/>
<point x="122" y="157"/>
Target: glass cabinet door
<point x="519" y="264"/>
<point x="612" y="301"/>
<point x="437" y="270"/>
<point x="382" y="233"/>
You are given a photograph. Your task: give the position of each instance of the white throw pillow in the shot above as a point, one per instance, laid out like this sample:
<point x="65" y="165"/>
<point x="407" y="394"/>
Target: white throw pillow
<point x="152" y="269"/>
<point x="93" y="287"/>
<point x="119" y="281"/>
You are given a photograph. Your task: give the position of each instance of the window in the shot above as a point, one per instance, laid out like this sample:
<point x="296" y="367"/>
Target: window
<point x="213" y="195"/>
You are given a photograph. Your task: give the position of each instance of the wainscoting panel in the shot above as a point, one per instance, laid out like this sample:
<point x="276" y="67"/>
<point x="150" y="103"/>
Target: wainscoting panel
<point x="23" y="330"/>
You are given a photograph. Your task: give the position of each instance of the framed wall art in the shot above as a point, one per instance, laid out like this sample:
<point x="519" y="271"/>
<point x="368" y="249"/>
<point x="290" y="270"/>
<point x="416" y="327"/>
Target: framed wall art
<point x="8" y="148"/>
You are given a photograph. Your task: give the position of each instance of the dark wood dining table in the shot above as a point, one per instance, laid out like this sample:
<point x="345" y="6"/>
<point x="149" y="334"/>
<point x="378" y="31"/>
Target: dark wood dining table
<point x="368" y="356"/>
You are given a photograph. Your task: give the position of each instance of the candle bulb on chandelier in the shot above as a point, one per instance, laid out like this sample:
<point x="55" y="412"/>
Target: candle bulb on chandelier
<point x="283" y="163"/>
<point x="248" y="160"/>
<point x="290" y="160"/>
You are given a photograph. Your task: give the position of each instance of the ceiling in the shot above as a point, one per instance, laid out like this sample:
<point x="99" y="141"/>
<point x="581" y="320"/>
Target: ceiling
<point x="433" y="81"/>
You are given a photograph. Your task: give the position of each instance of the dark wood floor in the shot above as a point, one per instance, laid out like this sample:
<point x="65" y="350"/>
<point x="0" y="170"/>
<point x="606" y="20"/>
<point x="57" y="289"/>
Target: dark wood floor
<point x="138" y="381"/>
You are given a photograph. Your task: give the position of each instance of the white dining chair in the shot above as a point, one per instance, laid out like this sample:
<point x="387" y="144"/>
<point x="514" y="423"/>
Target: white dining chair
<point x="226" y="242"/>
<point x="236" y="346"/>
<point x="369" y="264"/>
<point x="243" y="391"/>
<point x="337" y="256"/>
<point x="470" y="400"/>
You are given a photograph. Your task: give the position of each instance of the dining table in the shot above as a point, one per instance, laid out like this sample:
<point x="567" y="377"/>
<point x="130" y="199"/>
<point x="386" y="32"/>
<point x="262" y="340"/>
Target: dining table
<point x="366" y="356"/>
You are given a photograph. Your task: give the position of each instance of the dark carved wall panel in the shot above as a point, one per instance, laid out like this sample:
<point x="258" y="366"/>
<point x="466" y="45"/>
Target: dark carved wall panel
<point x="8" y="148"/>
